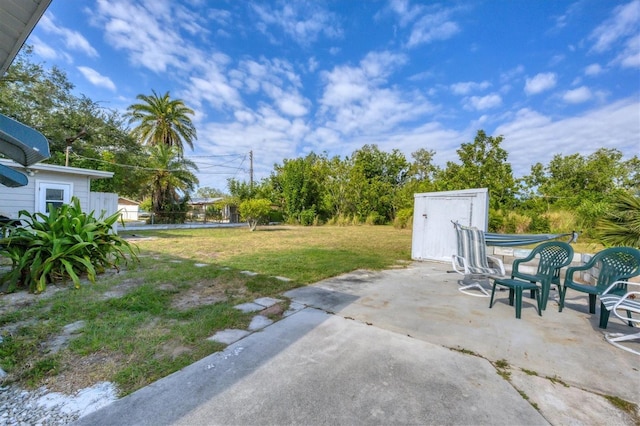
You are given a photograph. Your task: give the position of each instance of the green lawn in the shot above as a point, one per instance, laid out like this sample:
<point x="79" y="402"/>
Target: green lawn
<point x="153" y="318"/>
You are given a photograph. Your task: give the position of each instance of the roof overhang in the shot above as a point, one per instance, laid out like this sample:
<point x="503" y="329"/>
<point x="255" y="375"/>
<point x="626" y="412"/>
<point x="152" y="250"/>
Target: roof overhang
<point x="17" y="19"/>
<point x="17" y="141"/>
<point x="93" y="174"/>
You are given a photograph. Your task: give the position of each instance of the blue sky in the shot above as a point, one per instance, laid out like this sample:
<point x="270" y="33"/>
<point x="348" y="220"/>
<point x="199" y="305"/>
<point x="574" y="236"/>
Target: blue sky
<point x="286" y="78"/>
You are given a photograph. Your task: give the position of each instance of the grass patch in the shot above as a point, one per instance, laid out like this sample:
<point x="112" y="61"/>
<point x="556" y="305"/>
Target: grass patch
<point x="626" y="406"/>
<point x="154" y="318"/>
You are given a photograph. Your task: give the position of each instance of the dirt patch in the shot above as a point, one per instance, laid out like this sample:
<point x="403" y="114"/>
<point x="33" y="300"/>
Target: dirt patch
<point x="86" y="371"/>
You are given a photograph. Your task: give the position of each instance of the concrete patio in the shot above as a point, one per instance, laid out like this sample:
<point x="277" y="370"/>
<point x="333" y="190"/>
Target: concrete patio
<point x="401" y="347"/>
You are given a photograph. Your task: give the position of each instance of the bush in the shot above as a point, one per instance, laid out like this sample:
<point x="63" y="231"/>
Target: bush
<point x="308" y="216"/>
<point x="65" y="244"/>
<point x="403" y="219"/>
<point x="374" y="218"/>
<point x="255" y="211"/>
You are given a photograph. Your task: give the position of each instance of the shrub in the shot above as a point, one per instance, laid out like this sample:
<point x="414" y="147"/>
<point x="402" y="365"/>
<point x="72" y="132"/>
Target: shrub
<point x="65" y="244"/>
<point x="307" y="216"/>
<point x="374" y="218"/>
<point x="403" y="219"/>
<point x="255" y="211"/>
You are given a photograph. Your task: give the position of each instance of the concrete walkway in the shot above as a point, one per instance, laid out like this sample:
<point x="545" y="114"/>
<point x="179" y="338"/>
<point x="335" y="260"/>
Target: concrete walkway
<point x="400" y="347"/>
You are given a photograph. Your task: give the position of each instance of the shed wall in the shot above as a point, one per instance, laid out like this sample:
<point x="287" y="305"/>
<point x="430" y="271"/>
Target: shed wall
<point x="434" y="236"/>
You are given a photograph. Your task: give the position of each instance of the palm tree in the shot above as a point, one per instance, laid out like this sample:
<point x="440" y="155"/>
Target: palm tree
<point x="162" y="121"/>
<point x="621" y="225"/>
<point x="170" y="174"/>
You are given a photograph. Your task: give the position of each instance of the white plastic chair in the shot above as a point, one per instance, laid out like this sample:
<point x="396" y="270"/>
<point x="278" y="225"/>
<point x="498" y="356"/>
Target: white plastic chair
<point x="629" y="302"/>
<point x="472" y="261"/>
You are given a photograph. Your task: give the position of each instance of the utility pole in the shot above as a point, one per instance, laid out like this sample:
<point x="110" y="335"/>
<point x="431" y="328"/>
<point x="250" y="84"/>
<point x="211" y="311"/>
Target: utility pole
<point x="251" y="169"/>
<point x="69" y="141"/>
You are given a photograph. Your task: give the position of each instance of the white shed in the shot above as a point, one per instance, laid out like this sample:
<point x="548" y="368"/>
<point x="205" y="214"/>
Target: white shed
<point x="434" y="236"/>
<point x="53" y="184"/>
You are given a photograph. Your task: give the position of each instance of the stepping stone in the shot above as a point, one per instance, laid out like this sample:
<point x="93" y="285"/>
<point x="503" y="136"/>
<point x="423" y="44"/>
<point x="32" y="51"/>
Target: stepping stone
<point x="266" y="301"/>
<point x="200" y="265"/>
<point x="251" y="274"/>
<point x="259" y="322"/>
<point x="229" y="336"/>
<point x="249" y="307"/>
<point x="283" y="279"/>
<point x="293" y="308"/>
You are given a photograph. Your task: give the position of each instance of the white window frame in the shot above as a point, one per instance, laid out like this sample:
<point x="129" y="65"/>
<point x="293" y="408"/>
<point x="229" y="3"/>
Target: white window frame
<point x="41" y="191"/>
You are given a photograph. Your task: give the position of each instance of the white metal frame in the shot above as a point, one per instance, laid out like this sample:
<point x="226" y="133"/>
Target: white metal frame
<point x="630" y="303"/>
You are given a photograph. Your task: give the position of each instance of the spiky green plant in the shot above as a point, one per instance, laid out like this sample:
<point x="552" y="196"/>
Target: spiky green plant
<point x="621" y="225"/>
<point x="65" y="244"/>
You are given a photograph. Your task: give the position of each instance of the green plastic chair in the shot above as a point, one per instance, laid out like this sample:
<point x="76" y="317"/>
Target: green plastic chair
<point x="613" y="264"/>
<point x="552" y="257"/>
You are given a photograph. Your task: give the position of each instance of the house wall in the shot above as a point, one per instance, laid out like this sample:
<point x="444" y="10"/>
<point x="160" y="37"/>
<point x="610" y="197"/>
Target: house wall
<point x="12" y="200"/>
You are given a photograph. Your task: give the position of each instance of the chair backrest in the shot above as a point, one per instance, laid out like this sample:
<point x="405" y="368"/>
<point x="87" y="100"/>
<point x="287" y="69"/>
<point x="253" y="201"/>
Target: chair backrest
<point x="552" y="256"/>
<point x="472" y="246"/>
<point x="615" y="263"/>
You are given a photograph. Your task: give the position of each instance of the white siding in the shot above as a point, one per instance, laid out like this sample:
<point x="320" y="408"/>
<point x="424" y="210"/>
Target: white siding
<point x="12" y="200"/>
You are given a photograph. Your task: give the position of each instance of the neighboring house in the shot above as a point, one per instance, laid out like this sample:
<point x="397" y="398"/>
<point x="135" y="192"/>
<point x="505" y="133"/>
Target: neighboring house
<point x="129" y="209"/>
<point x="198" y="208"/>
<point x="53" y="184"/>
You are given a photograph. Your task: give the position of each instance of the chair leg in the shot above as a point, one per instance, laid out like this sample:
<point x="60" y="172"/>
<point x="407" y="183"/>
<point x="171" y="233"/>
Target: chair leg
<point x="562" y="292"/>
<point x="493" y="292"/>
<point x="592" y="303"/>
<point x="604" y="316"/>
<point x="518" y="301"/>
<point x="539" y="298"/>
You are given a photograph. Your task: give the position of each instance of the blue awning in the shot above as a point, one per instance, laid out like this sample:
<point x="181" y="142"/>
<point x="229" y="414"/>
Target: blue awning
<point x="12" y="178"/>
<point x="21" y="143"/>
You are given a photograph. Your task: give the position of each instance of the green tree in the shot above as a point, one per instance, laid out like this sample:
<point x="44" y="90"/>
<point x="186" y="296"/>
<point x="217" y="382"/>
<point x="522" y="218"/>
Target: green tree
<point x="42" y="98"/>
<point x="254" y="211"/>
<point x="483" y="165"/>
<point x="300" y="183"/>
<point x="207" y="192"/>
<point x="421" y="177"/>
<point x="170" y="178"/>
<point x="375" y="179"/>
<point x="161" y="120"/>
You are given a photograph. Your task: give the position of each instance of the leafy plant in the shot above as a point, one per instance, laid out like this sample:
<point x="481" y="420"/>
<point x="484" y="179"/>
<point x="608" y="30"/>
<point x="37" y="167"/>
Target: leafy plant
<point x="254" y="211"/>
<point x="621" y="225"/>
<point x="65" y="244"/>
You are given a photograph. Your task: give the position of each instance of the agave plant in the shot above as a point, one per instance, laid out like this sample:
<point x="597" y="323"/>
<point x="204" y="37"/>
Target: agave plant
<point x="621" y="225"/>
<point x="65" y="244"/>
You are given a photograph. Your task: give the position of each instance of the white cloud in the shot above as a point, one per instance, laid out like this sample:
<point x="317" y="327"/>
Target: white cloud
<point x="96" y="78"/>
<point x="483" y="102"/>
<point x="593" y="69"/>
<point x="539" y="83"/>
<point x="405" y="12"/>
<point x="432" y="27"/>
<point x="302" y="22"/>
<point x="577" y="96"/>
<point x="630" y="55"/>
<point x="73" y="40"/>
<point x="356" y="100"/>
<point x="623" y="22"/>
<point x="464" y="88"/>
<point x="42" y="49"/>
<point x="150" y="33"/>
<point x="533" y="137"/>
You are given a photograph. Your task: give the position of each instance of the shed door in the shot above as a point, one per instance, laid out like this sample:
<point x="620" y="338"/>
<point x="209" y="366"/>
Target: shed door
<point x="438" y="234"/>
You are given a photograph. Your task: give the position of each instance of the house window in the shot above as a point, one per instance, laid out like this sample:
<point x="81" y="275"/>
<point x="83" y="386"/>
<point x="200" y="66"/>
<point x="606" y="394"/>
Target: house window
<point x="52" y="195"/>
